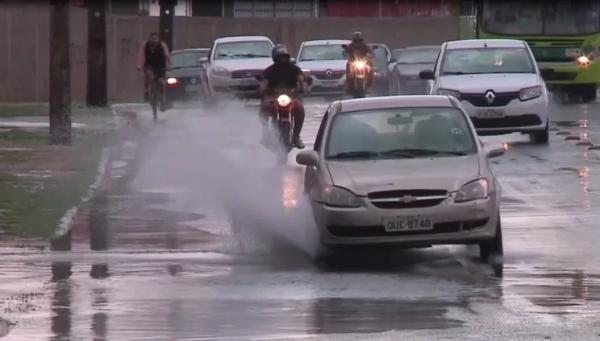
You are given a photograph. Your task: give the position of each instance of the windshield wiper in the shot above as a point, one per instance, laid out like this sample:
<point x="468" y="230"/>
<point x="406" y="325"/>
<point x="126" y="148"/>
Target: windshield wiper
<point x="250" y="55"/>
<point x="398" y="153"/>
<point x="415" y="151"/>
<point x="456" y="73"/>
<point x="359" y="154"/>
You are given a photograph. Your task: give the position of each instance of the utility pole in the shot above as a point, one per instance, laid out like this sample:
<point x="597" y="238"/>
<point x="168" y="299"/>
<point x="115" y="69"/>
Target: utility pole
<point x="96" y="61"/>
<point x="167" y="15"/>
<point x="60" y="73"/>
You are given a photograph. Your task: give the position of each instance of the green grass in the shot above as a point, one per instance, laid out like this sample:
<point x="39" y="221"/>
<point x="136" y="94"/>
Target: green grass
<point x="33" y="206"/>
<point x="18" y="110"/>
<point x="24" y="136"/>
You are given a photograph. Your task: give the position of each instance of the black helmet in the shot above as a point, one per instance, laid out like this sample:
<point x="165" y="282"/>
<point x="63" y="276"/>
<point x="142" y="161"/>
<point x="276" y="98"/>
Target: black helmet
<point x="357" y="37"/>
<point x="279" y="51"/>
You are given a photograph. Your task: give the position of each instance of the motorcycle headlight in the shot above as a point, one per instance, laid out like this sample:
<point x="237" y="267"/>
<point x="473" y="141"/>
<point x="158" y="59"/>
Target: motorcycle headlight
<point x="474" y="190"/>
<point x="360" y="64"/>
<point x="448" y="92"/>
<point x="339" y="197"/>
<point x="530" y="93"/>
<point x="284" y="100"/>
<point x="220" y="71"/>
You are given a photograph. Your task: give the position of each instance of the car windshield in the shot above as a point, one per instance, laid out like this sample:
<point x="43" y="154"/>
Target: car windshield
<point x="187" y="59"/>
<point x="416" y="56"/>
<point x="400" y="133"/>
<point x="243" y="50"/>
<point x="550" y="17"/>
<point x="487" y="60"/>
<point x="322" y="52"/>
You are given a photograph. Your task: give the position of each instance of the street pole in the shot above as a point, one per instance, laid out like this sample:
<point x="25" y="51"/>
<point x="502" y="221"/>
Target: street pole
<point x="167" y="14"/>
<point x="60" y="73"/>
<point x="96" y="62"/>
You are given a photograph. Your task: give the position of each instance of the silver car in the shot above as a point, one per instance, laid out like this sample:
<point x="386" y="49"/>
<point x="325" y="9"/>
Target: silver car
<point x="405" y="170"/>
<point x="404" y="79"/>
<point x="325" y="62"/>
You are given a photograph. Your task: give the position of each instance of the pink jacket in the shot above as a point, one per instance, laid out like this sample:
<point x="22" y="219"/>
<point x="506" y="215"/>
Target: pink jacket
<point x="142" y="55"/>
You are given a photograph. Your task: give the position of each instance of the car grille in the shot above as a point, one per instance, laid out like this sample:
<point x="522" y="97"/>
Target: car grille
<point x="508" y="121"/>
<point x="246" y="74"/>
<point x="379" y="231"/>
<point x="501" y="99"/>
<point x="407" y="198"/>
<point x="325" y="76"/>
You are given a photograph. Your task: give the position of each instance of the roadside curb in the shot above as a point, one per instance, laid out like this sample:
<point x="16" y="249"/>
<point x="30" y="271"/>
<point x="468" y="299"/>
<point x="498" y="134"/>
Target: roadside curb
<point x="115" y="164"/>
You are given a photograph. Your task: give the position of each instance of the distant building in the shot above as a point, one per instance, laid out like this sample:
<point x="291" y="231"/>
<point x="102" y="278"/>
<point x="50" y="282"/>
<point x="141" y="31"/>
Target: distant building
<point x="291" y="8"/>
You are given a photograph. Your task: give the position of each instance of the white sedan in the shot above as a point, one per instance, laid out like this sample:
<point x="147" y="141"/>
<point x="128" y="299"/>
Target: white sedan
<point x="406" y="171"/>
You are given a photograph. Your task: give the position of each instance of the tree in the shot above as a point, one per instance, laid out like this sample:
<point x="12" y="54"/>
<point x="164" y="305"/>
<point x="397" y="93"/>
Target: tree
<point x="96" y="63"/>
<point x="60" y="73"/>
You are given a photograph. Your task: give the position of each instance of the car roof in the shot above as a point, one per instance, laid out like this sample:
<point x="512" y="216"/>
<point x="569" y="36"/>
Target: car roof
<point x="325" y="42"/>
<point x="373" y="103"/>
<point x="481" y="43"/>
<point x="195" y="49"/>
<point x="241" y="38"/>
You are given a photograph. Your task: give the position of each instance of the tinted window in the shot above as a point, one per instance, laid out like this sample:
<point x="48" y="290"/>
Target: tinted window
<point x="187" y="59"/>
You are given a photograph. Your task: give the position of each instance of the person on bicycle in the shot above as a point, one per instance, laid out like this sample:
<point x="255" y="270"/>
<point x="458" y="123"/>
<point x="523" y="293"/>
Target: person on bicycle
<point x="154" y="58"/>
<point x="282" y="75"/>
<point x="358" y="49"/>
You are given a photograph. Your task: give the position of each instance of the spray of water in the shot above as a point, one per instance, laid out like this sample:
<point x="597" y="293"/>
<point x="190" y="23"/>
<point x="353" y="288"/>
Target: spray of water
<point x="213" y="157"/>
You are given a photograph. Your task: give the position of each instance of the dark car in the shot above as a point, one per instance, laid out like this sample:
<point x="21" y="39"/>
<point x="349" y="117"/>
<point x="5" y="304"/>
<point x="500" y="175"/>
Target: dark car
<point x="185" y="79"/>
<point x="409" y="62"/>
<point x="382" y="61"/>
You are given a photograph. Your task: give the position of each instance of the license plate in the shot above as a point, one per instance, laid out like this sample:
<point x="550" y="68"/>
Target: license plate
<point x="192" y="88"/>
<point x="399" y="224"/>
<point x="490" y="114"/>
<point x="572" y="53"/>
<point x="329" y="84"/>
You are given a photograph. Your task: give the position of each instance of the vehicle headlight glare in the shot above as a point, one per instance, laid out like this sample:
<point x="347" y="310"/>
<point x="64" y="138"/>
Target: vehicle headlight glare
<point x="171" y="80"/>
<point x="448" y="92"/>
<point x="339" y="197"/>
<point x="284" y="100"/>
<point x="583" y="61"/>
<point x="530" y="93"/>
<point x="474" y="190"/>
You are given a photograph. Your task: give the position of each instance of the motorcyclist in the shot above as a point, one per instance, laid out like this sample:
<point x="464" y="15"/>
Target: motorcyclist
<point x="358" y="49"/>
<point x="282" y="75"/>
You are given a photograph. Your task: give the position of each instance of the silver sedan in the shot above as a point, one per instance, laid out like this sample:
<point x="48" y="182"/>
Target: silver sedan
<point x="405" y="170"/>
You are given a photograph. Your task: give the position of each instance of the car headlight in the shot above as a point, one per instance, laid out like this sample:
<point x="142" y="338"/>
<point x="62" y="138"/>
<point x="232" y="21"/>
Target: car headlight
<point x="220" y="71"/>
<point x="172" y="81"/>
<point x="474" y="190"/>
<point x="339" y="197"/>
<point x="448" y="92"/>
<point x="530" y="93"/>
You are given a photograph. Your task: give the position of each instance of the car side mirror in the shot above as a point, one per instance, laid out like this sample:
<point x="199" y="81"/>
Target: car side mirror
<point x="426" y="74"/>
<point x="307" y="158"/>
<point x="492" y="153"/>
<point x="203" y="60"/>
<point x="293" y="60"/>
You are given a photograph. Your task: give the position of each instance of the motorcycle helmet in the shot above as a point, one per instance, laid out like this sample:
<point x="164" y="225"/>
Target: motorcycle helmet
<point x="357" y="37"/>
<point x="279" y="51"/>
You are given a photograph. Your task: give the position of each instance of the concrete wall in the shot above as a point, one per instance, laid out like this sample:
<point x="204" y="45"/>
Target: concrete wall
<point x="24" y="47"/>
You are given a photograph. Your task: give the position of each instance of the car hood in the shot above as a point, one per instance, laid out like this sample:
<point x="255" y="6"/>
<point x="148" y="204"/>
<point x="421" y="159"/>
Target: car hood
<point x="413" y="69"/>
<point x="497" y="82"/>
<point x="323" y="65"/>
<point x="185" y="72"/>
<point x="363" y="177"/>
<point x="244" y="64"/>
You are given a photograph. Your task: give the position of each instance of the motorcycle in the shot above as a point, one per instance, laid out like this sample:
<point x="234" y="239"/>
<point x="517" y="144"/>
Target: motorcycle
<point x="357" y="77"/>
<point x="281" y="123"/>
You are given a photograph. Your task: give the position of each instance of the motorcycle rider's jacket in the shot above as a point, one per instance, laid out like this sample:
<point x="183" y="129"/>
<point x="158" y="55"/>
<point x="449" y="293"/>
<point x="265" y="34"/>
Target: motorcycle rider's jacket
<point x="282" y="76"/>
<point x="359" y="50"/>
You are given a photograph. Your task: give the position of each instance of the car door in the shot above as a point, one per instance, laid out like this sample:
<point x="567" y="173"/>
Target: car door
<point x="311" y="176"/>
<point x="433" y="84"/>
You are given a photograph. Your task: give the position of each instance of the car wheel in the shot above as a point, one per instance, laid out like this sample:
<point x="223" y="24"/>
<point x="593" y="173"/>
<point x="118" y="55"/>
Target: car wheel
<point x="494" y="246"/>
<point x="542" y="136"/>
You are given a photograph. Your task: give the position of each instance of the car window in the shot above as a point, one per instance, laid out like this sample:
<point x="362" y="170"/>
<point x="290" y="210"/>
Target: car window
<point x="243" y="50"/>
<point x="487" y="60"/>
<point x="381" y="58"/>
<point x="417" y="56"/>
<point x="322" y="52"/>
<point x="435" y="131"/>
<point x="187" y="59"/>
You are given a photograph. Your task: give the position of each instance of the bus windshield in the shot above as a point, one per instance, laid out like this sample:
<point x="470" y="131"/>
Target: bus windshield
<point x="537" y="17"/>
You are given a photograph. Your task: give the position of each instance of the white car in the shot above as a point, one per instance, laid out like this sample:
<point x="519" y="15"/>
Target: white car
<point x="403" y="170"/>
<point x="325" y="62"/>
<point x="498" y="82"/>
<point x="234" y="63"/>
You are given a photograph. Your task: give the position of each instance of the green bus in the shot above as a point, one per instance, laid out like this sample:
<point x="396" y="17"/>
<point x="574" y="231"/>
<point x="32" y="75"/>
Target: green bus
<point x="564" y="36"/>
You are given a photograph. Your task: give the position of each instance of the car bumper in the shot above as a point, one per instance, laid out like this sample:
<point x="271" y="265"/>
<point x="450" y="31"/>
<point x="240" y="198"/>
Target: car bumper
<point x="328" y="86"/>
<point x="237" y="85"/>
<point x="519" y="116"/>
<point x="453" y="224"/>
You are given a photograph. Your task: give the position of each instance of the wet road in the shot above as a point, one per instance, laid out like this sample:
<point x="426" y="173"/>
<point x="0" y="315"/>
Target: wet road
<point x="211" y="241"/>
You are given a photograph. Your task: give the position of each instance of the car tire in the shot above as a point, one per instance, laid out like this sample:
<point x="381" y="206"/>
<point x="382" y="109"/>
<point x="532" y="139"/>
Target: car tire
<point x="494" y="246"/>
<point x="542" y="136"/>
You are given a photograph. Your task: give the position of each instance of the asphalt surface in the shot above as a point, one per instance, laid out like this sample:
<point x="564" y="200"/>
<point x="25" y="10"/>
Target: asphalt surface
<point x="212" y="241"/>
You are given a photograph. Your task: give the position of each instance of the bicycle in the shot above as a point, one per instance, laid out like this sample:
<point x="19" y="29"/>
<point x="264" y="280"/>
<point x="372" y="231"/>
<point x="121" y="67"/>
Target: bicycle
<point x="155" y="97"/>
